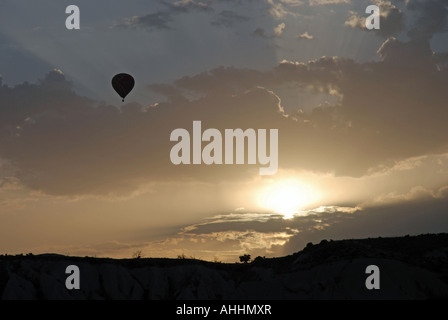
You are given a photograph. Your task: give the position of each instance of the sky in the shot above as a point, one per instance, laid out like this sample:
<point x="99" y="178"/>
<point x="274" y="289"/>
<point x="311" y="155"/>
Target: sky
<point x="361" y="117"/>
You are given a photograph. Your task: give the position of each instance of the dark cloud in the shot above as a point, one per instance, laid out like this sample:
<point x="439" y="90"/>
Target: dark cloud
<point x="158" y="20"/>
<point x="61" y="143"/>
<point x="16" y="106"/>
<point x="392" y="19"/>
<point x="221" y="80"/>
<point x="171" y="92"/>
<point x="440" y="58"/>
<point x="163" y="19"/>
<point x="384" y="112"/>
<point x="413" y="218"/>
<point x="327" y="2"/>
<point x="50" y="135"/>
<point x="413" y="54"/>
<point x="228" y="18"/>
<point x="187" y="5"/>
<point x="261" y="33"/>
<point x="431" y="18"/>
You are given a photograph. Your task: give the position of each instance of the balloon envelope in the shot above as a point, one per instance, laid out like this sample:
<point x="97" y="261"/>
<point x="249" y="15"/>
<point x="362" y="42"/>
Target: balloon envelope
<point x="123" y="83"/>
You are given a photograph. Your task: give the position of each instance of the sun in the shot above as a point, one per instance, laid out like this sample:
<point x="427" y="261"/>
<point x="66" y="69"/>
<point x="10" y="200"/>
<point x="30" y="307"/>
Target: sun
<point x="286" y="197"/>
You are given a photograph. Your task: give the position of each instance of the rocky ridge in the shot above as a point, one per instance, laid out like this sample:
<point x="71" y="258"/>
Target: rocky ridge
<point x="411" y="267"/>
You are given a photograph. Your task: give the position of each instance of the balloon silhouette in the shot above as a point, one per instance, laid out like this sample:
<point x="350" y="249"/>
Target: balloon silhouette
<point x="123" y="83"/>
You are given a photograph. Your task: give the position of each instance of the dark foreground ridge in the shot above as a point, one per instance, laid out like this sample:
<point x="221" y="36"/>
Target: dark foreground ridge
<point x="411" y="267"/>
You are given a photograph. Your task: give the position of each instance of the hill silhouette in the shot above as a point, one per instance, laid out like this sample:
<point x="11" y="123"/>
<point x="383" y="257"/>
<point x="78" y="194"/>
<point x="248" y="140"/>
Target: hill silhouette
<point x="411" y="267"/>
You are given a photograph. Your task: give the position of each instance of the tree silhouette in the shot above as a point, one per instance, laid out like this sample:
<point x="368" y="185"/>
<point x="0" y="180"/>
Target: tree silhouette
<point x="245" y="258"/>
<point x="137" y="254"/>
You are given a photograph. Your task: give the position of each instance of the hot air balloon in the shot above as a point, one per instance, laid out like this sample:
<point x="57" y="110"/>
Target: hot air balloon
<point x="123" y="83"/>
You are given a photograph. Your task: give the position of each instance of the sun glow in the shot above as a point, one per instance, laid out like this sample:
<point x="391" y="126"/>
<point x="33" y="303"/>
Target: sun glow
<point x="287" y="197"/>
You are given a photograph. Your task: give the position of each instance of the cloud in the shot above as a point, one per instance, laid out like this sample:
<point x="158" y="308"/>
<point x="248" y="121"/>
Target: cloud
<point x="327" y="2"/>
<point x="257" y="233"/>
<point x="293" y="3"/>
<point x="57" y="128"/>
<point x="280" y="9"/>
<point x="268" y="234"/>
<point x="278" y="30"/>
<point x="62" y="144"/>
<point x="163" y="19"/>
<point x="306" y="36"/>
<point x="172" y="93"/>
<point x="228" y="18"/>
<point x="261" y="33"/>
<point x="355" y="21"/>
<point x="220" y="80"/>
<point x="431" y="18"/>
<point x="415" y="193"/>
<point x="185" y="5"/>
<point x="371" y="107"/>
<point x="391" y="19"/>
<point x="415" y="54"/>
<point x="158" y="20"/>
